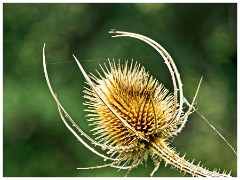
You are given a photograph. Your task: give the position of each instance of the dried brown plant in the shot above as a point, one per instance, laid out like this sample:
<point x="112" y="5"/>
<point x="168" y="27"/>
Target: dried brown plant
<point x="133" y="115"/>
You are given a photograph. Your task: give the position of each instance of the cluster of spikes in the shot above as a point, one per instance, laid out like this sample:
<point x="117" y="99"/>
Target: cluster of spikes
<point x="133" y="115"/>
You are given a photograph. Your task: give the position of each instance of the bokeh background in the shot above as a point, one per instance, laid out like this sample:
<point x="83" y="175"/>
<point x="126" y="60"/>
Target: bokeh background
<point x="201" y="38"/>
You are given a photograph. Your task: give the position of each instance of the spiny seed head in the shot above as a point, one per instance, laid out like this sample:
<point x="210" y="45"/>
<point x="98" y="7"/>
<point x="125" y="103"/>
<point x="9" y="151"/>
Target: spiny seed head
<point x="133" y="115"/>
<point x="135" y="96"/>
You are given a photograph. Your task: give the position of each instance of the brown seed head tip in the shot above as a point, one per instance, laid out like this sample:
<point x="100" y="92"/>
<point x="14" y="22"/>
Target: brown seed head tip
<point x="135" y="96"/>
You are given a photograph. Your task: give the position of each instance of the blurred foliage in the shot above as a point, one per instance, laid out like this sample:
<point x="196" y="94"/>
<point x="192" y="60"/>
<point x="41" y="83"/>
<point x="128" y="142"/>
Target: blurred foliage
<point x="201" y="38"/>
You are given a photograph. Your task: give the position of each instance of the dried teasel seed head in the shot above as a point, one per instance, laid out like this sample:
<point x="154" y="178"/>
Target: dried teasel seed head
<point x="135" y="96"/>
<point x="133" y="115"/>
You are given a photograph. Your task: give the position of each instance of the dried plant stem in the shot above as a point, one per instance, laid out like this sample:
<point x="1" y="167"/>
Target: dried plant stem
<point x="170" y="157"/>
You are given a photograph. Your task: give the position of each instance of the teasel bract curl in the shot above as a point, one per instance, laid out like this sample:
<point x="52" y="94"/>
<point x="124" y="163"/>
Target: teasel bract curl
<point x="132" y="115"/>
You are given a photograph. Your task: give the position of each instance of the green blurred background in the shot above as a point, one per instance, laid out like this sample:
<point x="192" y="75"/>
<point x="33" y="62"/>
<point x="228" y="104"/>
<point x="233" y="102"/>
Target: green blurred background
<point x="201" y="38"/>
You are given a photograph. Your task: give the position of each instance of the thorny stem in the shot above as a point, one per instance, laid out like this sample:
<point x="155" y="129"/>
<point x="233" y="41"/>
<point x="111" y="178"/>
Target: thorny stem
<point x="172" y="158"/>
<point x="60" y="108"/>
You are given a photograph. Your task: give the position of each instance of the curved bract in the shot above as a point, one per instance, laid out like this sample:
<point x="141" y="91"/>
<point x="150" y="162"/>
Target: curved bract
<point x="133" y="115"/>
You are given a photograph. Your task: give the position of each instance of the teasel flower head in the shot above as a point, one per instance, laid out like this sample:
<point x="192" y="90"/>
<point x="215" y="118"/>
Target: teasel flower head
<point x="132" y="115"/>
<point x="137" y="98"/>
